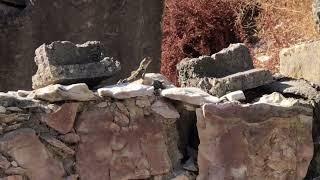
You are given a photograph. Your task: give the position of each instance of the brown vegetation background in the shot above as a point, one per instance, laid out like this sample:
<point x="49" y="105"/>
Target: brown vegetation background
<point x="202" y="27"/>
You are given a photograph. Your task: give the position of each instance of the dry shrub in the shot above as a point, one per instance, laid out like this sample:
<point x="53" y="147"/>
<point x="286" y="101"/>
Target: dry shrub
<point x="281" y="24"/>
<point x="203" y="27"/>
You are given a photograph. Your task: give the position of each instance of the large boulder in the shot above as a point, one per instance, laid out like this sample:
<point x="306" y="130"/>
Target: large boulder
<point x="258" y="141"/>
<point x="235" y="58"/>
<point x="301" y="61"/>
<point x="63" y="62"/>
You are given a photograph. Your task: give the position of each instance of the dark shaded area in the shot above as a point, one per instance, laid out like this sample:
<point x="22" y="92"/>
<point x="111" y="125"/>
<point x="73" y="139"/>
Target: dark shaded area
<point x="129" y="30"/>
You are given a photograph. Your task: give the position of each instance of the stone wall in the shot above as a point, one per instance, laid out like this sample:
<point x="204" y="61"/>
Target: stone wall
<point x="129" y="29"/>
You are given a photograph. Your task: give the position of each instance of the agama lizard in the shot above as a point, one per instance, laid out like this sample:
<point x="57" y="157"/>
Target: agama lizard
<point x="139" y="73"/>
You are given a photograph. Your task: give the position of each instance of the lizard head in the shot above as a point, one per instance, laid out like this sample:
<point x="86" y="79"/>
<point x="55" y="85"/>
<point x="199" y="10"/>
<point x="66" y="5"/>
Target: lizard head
<point x="145" y="62"/>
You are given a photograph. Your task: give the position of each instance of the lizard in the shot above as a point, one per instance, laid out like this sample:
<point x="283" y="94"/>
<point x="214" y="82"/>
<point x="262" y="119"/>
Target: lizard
<point x="139" y="73"/>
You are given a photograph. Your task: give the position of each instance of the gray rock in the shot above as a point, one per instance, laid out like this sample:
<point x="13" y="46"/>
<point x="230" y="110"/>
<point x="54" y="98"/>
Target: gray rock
<point x="235" y="58"/>
<point x="190" y="95"/>
<point x="165" y="109"/>
<point x="57" y="92"/>
<point x="2" y="110"/>
<point x="235" y="96"/>
<point x="240" y="81"/>
<point x="63" y="62"/>
<point x="127" y="90"/>
<point x="316" y="13"/>
<point x="296" y="87"/>
<point x="301" y="61"/>
<point x="58" y="144"/>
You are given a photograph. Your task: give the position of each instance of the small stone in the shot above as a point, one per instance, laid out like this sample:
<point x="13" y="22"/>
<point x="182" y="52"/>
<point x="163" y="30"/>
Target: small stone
<point x="165" y="109"/>
<point x="23" y="93"/>
<point x="14" y="109"/>
<point x="57" y="92"/>
<point x="12" y="127"/>
<point x="143" y="102"/>
<point x="121" y="119"/>
<point x="125" y="91"/>
<point x="4" y="163"/>
<point x="58" y="144"/>
<point x="118" y="143"/>
<point x="2" y="110"/>
<point x="263" y="58"/>
<point x="14" y="164"/>
<point x="122" y="108"/>
<point x="189" y="95"/>
<point x="235" y="96"/>
<point x="72" y="177"/>
<point x="115" y="128"/>
<point x="71" y="138"/>
<point x="277" y="99"/>
<point x="102" y="105"/>
<point x="15" y="170"/>
<point x="63" y="119"/>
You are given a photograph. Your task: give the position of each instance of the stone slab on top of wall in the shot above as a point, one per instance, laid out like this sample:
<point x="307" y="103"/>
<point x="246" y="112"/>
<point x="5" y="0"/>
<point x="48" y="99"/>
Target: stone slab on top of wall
<point x="63" y="62"/>
<point x="301" y="61"/>
<point x="235" y="58"/>
<point x="130" y="30"/>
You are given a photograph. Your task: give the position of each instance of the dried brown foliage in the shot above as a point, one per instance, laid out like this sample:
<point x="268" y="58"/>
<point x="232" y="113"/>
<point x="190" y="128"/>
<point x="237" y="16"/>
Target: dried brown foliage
<point x="203" y="27"/>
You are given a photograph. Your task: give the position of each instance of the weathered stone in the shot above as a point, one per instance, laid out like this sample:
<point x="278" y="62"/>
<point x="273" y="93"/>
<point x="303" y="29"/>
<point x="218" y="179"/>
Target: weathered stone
<point x="71" y="138"/>
<point x="14" y="109"/>
<point x="189" y="95"/>
<point x="235" y="96"/>
<point x="121" y="119"/>
<point x="9" y="100"/>
<point x="127" y="90"/>
<point x="14" y="164"/>
<point x="63" y="119"/>
<point x="236" y="58"/>
<point x="9" y="118"/>
<point x="143" y="101"/>
<point x="149" y="78"/>
<point x="259" y="141"/>
<point x="132" y="153"/>
<point x="301" y="61"/>
<point x="4" y="163"/>
<point x="63" y="62"/>
<point x="23" y="93"/>
<point x="58" y="144"/>
<point x="2" y="110"/>
<point x="165" y="109"/>
<point x="279" y="100"/>
<point x="57" y="92"/>
<point x="14" y="177"/>
<point x="293" y="87"/>
<point x="15" y="170"/>
<point x="26" y="149"/>
<point x="72" y="177"/>
<point x="240" y="81"/>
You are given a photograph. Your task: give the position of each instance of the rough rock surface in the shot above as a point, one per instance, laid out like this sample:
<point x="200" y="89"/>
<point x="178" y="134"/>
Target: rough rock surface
<point x="294" y="87"/>
<point x="239" y="81"/>
<point x="235" y="58"/>
<point x="130" y="30"/>
<point x="301" y="61"/>
<point x="57" y="92"/>
<point x="259" y="141"/>
<point x="63" y="119"/>
<point x="165" y="109"/>
<point x="27" y="150"/>
<point x="135" y="151"/>
<point x="127" y="90"/>
<point x="190" y="95"/>
<point x="63" y="62"/>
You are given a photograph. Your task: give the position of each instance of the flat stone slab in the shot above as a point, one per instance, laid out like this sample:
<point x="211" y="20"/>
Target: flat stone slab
<point x="301" y="61"/>
<point x="191" y="95"/>
<point x="239" y="81"/>
<point x="126" y="90"/>
<point x="63" y="62"/>
<point x="259" y="141"/>
<point x="57" y="92"/>
<point x="235" y="58"/>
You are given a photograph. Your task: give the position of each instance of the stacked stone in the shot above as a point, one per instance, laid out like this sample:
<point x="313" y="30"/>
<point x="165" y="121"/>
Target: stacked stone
<point x="127" y="131"/>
